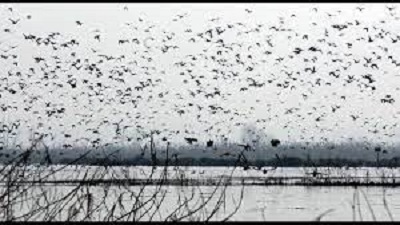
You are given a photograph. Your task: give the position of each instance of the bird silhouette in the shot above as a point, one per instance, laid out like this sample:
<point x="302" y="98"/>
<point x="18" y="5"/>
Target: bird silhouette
<point x="14" y="22"/>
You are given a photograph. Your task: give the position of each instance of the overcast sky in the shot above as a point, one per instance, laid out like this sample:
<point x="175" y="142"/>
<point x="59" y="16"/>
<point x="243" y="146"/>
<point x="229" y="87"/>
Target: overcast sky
<point x="268" y="102"/>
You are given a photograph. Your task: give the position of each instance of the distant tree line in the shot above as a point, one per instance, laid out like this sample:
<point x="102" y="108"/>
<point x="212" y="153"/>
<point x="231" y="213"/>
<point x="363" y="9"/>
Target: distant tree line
<point x="282" y="162"/>
<point x="264" y="153"/>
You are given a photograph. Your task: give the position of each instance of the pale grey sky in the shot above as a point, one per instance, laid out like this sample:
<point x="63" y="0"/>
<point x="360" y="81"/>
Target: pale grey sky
<point x="268" y="102"/>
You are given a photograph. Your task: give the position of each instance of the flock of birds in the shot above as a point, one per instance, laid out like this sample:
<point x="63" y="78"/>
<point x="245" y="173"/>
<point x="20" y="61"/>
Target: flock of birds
<point x="67" y="90"/>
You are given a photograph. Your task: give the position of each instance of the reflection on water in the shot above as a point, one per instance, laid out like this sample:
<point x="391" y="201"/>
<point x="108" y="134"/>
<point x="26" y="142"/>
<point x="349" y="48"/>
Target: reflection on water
<point x="307" y="203"/>
<point x="271" y="203"/>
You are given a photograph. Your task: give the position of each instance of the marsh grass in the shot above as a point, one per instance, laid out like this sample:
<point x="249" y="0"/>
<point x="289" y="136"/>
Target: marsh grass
<point x="26" y="190"/>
